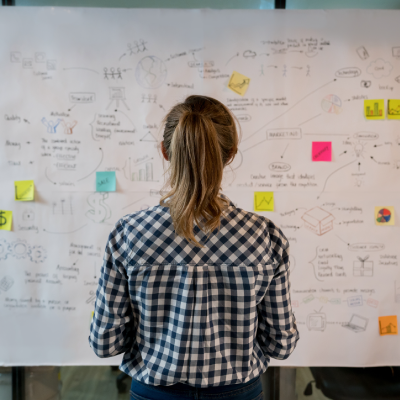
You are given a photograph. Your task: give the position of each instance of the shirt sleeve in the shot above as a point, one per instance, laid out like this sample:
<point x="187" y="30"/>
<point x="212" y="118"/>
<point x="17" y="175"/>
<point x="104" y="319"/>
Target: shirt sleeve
<point x="277" y="331"/>
<point x="111" y="330"/>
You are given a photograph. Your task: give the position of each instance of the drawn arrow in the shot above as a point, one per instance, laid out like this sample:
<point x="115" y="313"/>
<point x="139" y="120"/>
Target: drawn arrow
<point x="348" y="244"/>
<point x="294" y="105"/>
<point x="62" y="233"/>
<point x="236" y="55"/>
<point x="87" y="69"/>
<point x="272" y="66"/>
<point x="102" y="155"/>
<point x="25" y="120"/>
<point x="284" y="150"/>
<point x="133" y="203"/>
<point x="45" y="172"/>
<point x="343" y="153"/>
<point x="122" y="56"/>
<point x="126" y="117"/>
<point x="72" y="107"/>
<point x="310" y="119"/>
<point x="162" y="107"/>
<point x="359" y="165"/>
<point x="343" y="166"/>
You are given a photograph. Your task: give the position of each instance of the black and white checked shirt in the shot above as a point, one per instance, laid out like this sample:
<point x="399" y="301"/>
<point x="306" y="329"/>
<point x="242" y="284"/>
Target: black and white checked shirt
<point x="204" y="317"/>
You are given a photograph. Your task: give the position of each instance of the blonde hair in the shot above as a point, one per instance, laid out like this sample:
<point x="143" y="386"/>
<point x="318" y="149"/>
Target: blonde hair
<point x="200" y="139"/>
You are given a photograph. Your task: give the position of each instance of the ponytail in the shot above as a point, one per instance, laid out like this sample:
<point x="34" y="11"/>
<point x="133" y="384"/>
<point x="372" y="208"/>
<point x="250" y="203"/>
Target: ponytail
<point x="200" y="139"/>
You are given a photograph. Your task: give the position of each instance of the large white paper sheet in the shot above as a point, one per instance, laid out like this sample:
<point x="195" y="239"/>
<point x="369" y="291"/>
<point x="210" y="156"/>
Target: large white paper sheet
<point x="85" y="90"/>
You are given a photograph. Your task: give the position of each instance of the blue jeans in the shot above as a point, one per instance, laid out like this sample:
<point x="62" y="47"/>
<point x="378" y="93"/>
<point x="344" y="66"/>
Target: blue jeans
<point x="251" y="390"/>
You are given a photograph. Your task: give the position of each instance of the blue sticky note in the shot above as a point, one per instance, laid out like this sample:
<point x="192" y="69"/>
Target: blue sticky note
<point x="106" y="181"/>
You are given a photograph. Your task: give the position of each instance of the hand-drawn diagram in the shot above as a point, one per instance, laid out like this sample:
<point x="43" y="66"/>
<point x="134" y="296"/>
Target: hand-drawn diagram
<point x="92" y="298"/>
<point x="51" y="125"/>
<point x="387" y="329"/>
<point x="62" y="207"/>
<point x="297" y="88"/>
<point x="117" y="94"/>
<point x="6" y="283"/>
<point x="379" y="68"/>
<point x="316" y="321"/>
<point x="143" y="174"/>
<point x="357" y="323"/>
<point x="28" y="215"/>
<point x="332" y="104"/>
<point x="151" y="72"/>
<point x="149" y="98"/>
<point x="20" y="249"/>
<point x="99" y="210"/>
<point x="362" y="53"/>
<point x="318" y="221"/>
<point x="137" y="47"/>
<point x="362" y="267"/>
<point x="148" y="137"/>
<point x="112" y="73"/>
<point x="68" y="126"/>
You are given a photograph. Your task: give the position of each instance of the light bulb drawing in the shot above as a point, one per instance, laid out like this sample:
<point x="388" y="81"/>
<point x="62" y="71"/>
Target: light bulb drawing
<point x="359" y="149"/>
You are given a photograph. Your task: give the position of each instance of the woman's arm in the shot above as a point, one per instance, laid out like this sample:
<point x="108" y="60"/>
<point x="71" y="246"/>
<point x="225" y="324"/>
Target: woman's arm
<point x="111" y="330"/>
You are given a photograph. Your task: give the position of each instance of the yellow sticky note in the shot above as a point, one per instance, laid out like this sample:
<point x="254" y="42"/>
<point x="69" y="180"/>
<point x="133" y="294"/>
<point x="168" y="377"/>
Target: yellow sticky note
<point x="374" y="109"/>
<point x="384" y="215"/>
<point x="393" y="109"/>
<point x="24" y="190"/>
<point x="263" y="201"/>
<point x="5" y="220"/>
<point x="388" y="325"/>
<point x="238" y="83"/>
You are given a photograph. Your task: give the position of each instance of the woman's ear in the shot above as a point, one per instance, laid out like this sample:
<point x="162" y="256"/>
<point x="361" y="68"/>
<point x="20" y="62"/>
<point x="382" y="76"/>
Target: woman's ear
<point x="164" y="152"/>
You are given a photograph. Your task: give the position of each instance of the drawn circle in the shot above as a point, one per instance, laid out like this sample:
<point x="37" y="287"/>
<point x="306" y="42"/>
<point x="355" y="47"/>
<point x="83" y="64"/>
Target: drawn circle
<point x="237" y="161"/>
<point x="384" y="215"/>
<point x="37" y="254"/>
<point x="331" y="104"/>
<point x="3" y="249"/>
<point x="151" y="72"/>
<point x="19" y="249"/>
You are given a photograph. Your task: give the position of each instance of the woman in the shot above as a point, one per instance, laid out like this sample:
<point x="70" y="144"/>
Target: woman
<point x="195" y="291"/>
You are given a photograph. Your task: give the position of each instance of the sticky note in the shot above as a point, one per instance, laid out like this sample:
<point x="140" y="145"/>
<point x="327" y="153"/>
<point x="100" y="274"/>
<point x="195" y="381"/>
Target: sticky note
<point x="321" y="151"/>
<point x="106" y="181"/>
<point x="374" y="109"/>
<point x="263" y="201"/>
<point x="238" y="83"/>
<point x="384" y="215"/>
<point x="388" y="325"/>
<point x="24" y="190"/>
<point x="393" y="109"/>
<point x="5" y="220"/>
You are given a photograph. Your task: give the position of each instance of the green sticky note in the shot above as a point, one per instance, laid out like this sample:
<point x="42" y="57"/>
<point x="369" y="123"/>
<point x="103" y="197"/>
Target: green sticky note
<point x="5" y="220"/>
<point x="24" y="190"/>
<point x="263" y="201"/>
<point x="106" y="181"/>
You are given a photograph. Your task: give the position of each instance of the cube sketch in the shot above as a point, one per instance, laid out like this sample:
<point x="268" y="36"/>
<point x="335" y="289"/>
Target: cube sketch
<point x="318" y="221"/>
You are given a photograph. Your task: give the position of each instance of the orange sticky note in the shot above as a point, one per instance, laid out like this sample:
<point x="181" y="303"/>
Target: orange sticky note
<point x="388" y="325"/>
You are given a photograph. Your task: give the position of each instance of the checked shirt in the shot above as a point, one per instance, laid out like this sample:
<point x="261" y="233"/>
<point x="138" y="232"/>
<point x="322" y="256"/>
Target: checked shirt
<point x="209" y="316"/>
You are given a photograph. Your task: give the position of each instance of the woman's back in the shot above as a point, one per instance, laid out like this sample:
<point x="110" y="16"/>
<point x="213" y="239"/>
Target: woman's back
<point x="207" y="316"/>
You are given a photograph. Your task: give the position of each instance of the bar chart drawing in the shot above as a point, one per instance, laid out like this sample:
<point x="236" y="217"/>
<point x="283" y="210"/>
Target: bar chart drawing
<point x="375" y="112"/>
<point x="144" y="174"/>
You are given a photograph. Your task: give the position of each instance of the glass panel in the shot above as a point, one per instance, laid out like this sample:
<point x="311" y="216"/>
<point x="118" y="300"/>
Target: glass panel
<point x="337" y="4"/>
<point x="218" y="4"/>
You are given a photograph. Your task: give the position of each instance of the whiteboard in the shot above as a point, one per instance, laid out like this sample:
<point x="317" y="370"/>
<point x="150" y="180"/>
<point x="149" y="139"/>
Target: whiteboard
<point x="85" y="90"/>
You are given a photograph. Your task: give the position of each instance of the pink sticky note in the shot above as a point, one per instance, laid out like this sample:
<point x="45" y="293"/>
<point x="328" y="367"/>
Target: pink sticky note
<point x="322" y="151"/>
